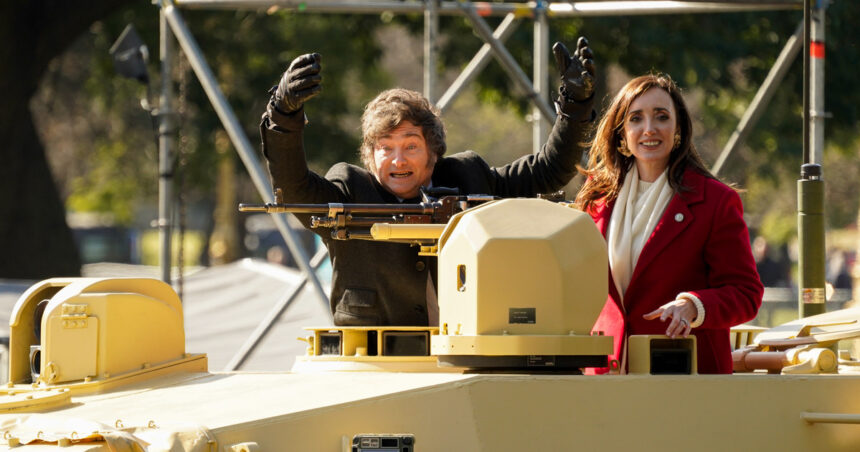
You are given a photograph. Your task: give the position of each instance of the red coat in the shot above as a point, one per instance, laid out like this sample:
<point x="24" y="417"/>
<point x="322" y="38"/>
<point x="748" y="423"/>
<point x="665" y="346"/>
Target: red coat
<point x="701" y="245"/>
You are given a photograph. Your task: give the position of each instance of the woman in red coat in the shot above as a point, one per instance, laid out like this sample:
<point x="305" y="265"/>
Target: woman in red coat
<point x="679" y="253"/>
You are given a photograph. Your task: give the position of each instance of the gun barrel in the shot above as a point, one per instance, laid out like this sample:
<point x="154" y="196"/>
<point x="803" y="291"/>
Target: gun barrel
<point x="385" y="231"/>
<point x="252" y="208"/>
<point x="387" y="209"/>
<point x="354" y="209"/>
<point x="282" y="208"/>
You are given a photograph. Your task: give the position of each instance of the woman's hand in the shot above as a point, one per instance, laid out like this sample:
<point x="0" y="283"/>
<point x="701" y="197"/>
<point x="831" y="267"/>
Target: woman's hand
<point x="682" y="312"/>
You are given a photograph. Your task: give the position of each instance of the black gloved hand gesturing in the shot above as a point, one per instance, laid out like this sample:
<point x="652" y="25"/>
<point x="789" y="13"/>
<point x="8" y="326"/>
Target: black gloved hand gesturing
<point x="577" y="72"/>
<point x="299" y="83"/>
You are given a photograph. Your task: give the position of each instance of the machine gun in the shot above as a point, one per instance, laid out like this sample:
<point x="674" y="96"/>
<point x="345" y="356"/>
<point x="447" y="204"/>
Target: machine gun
<point x="370" y="221"/>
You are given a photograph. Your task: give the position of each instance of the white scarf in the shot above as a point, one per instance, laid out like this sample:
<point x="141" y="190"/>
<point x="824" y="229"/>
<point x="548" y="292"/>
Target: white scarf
<point x="637" y="210"/>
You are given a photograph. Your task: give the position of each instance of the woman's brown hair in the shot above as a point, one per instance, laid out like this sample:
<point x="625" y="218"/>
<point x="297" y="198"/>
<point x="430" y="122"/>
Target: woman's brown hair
<point x="607" y="167"/>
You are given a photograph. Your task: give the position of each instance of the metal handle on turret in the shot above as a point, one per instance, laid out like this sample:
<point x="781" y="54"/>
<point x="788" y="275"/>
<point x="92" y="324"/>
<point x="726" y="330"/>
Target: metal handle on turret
<point x="830" y="418"/>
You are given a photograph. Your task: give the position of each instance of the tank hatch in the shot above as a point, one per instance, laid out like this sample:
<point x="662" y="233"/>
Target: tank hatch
<point x="91" y="334"/>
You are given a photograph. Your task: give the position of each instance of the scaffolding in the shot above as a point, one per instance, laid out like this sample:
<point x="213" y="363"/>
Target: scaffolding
<point x="537" y="90"/>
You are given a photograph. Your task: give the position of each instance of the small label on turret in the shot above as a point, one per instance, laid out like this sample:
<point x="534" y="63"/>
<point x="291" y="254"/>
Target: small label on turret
<point x="521" y="315"/>
<point x="540" y="361"/>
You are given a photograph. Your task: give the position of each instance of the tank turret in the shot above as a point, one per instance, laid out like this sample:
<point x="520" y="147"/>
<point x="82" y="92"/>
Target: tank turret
<point x="521" y="282"/>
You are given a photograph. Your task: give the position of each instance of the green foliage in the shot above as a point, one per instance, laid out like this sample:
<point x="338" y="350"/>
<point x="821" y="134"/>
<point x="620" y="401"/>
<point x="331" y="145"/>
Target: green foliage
<point x="500" y="137"/>
<point x="840" y="77"/>
<point x="247" y="51"/>
<point x="725" y="58"/>
<point x="841" y="178"/>
<point x="104" y="188"/>
<point x="248" y="67"/>
<point x="778" y="228"/>
<point x="192" y="245"/>
<point x="719" y="59"/>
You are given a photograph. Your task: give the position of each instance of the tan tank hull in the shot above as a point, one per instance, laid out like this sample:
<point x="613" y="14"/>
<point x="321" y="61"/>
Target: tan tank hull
<point x="497" y="412"/>
<point x="140" y="390"/>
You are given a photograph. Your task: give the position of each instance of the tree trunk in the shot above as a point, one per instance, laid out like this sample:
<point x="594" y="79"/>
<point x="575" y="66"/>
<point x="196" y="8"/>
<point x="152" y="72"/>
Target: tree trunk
<point x="224" y="242"/>
<point x="35" y="240"/>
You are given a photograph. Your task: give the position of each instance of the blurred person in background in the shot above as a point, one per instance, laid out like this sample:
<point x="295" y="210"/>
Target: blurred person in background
<point x="773" y="272"/>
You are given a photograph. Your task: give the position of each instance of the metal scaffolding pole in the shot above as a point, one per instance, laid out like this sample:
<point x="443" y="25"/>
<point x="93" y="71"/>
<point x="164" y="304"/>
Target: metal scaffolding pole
<point x="634" y="7"/>
<point x="431" y="31"/>
<point x="811" y="262"/>
<point x="816" y="83"/>
<point x="561" y="9"/>
<point x="240" y="141"/>
<point x="540" y="126"/>
<point x="165" y="144"/>
<point x="507" y="61"/>
<point x="479" y="61"/>
<point x="762" y="97"/>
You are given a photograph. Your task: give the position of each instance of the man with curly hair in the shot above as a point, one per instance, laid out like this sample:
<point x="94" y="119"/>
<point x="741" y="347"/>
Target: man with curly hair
<point x="403" y="149"/>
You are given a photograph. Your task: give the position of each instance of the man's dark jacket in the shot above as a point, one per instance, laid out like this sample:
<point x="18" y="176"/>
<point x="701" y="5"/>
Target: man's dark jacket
<point x="377" y="283"/>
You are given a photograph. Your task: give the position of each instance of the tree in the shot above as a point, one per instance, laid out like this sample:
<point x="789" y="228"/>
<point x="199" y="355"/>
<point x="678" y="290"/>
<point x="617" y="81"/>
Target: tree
<point x="108" y="161"/>
<point x="35" y="239"/>
<point x="719" y="60"/>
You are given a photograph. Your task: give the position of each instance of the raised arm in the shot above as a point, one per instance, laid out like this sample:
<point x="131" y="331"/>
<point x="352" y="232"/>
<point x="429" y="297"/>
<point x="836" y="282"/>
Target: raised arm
<point x="282" y="134"/>
<point x="555" y="165"/>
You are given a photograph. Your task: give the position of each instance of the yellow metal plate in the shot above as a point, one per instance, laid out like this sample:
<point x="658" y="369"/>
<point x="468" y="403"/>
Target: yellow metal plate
<point x="520" y="345"/>
<point x="33" y="400"/>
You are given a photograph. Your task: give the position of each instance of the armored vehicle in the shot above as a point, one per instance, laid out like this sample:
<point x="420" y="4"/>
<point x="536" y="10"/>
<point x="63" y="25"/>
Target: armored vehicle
<point x="100" y="364"/>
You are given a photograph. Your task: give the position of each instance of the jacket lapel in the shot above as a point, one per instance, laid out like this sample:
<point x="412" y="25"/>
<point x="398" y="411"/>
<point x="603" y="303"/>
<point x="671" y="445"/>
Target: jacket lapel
<point x="675" y="219"/>
<point x="601" y="214"/>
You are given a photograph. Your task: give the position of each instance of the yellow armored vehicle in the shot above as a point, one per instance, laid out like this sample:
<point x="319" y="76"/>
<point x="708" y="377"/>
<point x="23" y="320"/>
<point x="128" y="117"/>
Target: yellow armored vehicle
<point x="100" y="364"/>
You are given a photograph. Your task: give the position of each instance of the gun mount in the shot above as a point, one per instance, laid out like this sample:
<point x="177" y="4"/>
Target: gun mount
<point x="520" y="284"/>
<point x="349" y="221"/>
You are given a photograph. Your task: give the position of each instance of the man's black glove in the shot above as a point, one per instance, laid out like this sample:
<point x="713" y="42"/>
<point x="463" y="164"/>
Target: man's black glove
<point x="577" y="72"/>
<point x="299" y="83"/>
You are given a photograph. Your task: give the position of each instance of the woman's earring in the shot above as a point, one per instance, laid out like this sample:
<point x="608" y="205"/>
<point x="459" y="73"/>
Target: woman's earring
<point x="677" y="140"/>
<point x="622" y="148"/>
